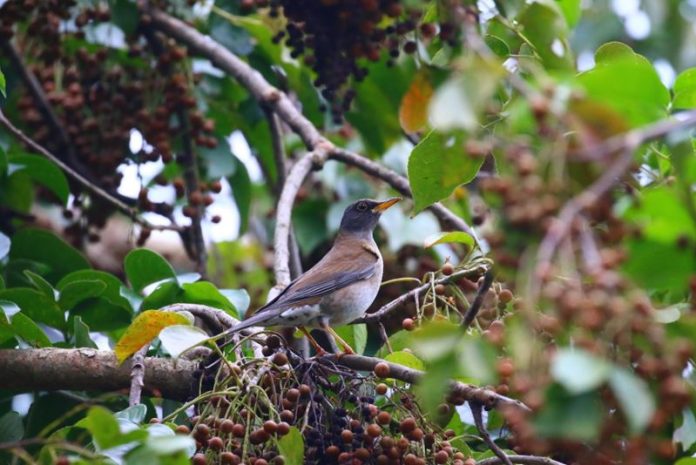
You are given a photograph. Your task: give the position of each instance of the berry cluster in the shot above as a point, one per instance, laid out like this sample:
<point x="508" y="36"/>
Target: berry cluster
<point x="99" y="96"/>
<point x="344" y="417"/>
<point x="337" y="38"/>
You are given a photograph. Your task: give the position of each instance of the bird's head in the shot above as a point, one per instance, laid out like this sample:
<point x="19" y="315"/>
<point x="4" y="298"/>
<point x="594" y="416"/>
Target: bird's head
<point x="363" y="215"/>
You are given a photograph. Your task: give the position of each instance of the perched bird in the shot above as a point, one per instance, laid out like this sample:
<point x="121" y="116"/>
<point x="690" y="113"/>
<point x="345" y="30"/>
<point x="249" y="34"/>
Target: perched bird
<point x="340" y="287"/>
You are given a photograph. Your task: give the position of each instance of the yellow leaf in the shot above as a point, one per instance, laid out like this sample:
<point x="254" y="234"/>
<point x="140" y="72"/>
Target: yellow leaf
<point x="413" y="113"/>
<point x="145" y="328"/>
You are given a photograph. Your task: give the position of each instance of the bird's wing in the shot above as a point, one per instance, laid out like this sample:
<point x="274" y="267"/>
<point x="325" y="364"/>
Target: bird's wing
<point x="348" y="265"/>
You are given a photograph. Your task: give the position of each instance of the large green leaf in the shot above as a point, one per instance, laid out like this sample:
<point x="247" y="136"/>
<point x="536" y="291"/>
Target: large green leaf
<point x="45" y="247"/>
<point x="579" y="371"/>
<point x="77" y="291"/>
<point x="564" y="415"/>
<point x="685" y="90"/>
<point x="35" y="305"/>
<point x="627" y="82"/>
<point x="144" y="267"/>
<point x="291" y="447"/>
<point x="42" y="171"/>
<point x="438" y="165"/>
<point x="29" y="331"/>
<point x="635" y="398"/>
<point x="11" y="427"/>
<point x="545" y="27"/>
<point x="240" y="183"/>
<point x="105" y="429"/>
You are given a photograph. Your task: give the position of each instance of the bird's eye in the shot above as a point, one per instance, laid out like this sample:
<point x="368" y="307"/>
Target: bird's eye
<point x="362" y="206"/>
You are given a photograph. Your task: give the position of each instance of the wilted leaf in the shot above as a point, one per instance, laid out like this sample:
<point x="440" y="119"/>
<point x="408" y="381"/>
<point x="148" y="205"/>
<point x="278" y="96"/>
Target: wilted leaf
<point x="449" y="237"/>
<point x="579" y="371"/>
<point x="291" y="446"/>
<point x="145" y="328"/>
<point x="179" y="338"/>
<point x="413" y="112"/>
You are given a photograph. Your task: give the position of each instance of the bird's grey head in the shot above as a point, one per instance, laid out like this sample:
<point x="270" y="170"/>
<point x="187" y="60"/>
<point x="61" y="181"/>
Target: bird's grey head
<point x="363" y="215"/>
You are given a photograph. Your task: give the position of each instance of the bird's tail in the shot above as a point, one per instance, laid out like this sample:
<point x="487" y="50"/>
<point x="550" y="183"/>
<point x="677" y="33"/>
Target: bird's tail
<point x="254" y="320"/>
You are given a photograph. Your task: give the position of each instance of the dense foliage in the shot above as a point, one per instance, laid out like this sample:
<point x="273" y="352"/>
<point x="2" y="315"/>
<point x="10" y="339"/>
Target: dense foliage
<point x="560" y="131"/>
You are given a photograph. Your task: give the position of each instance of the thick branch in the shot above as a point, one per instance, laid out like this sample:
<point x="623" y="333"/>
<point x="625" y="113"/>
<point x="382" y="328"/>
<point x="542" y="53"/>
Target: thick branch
<point x="90" y="370"/>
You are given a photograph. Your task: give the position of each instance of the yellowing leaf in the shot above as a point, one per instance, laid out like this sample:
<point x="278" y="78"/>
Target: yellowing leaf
<point x="145" y="328"/>
<point x="413" y="112"/>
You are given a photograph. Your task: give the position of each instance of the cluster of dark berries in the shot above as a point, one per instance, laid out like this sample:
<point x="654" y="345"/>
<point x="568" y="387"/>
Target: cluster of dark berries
<point x="99" y="97"/>
<point x="338" y="38"/>
<point x="344" y="417"/>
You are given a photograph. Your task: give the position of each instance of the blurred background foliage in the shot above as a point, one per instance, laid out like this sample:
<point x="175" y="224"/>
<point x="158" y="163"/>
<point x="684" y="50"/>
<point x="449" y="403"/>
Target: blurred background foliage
<point x="501" y="129"/>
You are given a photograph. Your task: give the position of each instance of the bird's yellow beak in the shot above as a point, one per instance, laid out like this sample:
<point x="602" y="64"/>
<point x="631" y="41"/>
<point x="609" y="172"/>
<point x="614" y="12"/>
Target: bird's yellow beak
<point x="386" y="204"/>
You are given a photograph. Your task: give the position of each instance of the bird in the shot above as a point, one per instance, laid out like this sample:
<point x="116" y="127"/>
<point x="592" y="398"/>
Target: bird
<point x="339" y="288"/>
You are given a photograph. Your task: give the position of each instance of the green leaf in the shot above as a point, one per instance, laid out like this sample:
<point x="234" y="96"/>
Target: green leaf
<point x="144" y="267"/>
<point x="105" y="429"/>
<point x="2" y="84"/>
<point x="458" y="102"/>
<point x="35" y="305"/>
<point x="449" y="237"/>
<point x="435" y="340"/>
<point x="45" y="247"/>
<point x="308" y="218"/>
<point x="686" y="433"/>
<point x="685" y="90"/>
<point x="4" y="246"/>
<point x="135" y="413"/>
<point x="77" y="291"/>
<point x="29" y="331"/>
<point x="81" y="336"/>
<point x="11" y="427"/>
<point x="406" y="359"/>
<point x="355" y="336"/>
<point x="42" y="171"/>
<point x="571" y="11"/>
<point x="113" y="291"/>
<point x="231" y="36"/>
<point x="291" y="447"/>
<point x="569" y="416"/>
<point x="635" y="398"/>
<point x="579" y="371"/>
<point x="239" y="298"/>
<point x="626" y="82"/>
<point x="476" y="360"/>
<point x="240" y="182"/>
<point x="179" y="338"/>
<point x="124" y="13"/>
<point x="438" y="165"/>
<point x="545" y="27"/>
<point x="206" y="293"/>
<point x="41" y="284"/>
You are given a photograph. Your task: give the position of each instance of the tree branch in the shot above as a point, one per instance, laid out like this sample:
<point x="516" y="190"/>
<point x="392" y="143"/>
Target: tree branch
<point x="475" y="306"/>
<point x="467" y="392"/>
<point x="95" y="189"/>
<point x="90" y="370"/>
<point x="420" y="290"/>
<point x="477" y="413"/>
<point x="521" y="459"/>
<point x="281" y="105"/>
<point x="137" y="375"/>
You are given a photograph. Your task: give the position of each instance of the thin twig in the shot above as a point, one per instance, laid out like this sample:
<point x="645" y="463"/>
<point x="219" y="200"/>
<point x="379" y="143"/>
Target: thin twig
<point x="283" y="106"/>
<point x="95" y="189"/>
<point x="477" y="413"/>
<point x="467" y="392"/>
<point x="137" y="375"/>
<point x="188" y="159"/>
<point x="389" y="307"/>
<point x="521" y="459"/>
<point x="473" y="310"/>
<point x="588" y="246"/>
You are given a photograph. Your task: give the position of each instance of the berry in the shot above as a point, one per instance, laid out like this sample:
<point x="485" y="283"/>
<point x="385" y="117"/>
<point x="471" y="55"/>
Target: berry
<point x="382" y="370"/>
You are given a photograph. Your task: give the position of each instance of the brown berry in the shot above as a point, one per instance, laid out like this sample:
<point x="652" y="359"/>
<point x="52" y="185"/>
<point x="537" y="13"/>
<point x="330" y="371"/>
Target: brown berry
<point x="408" y="324"/>
<point x="283" y="428"/>
<point x="407" y="425"/>
<point x="280" y="359"/>
<point x="270" y="427"/>
<point x="199" y="459"/>
<point x="381" y="389"/>
<point x="347" y="436"/>
<point x="374" y="430"/>
<point x="216" y="443"/>
<point x="382" y="370"/>
<point x="383" y="418"/>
